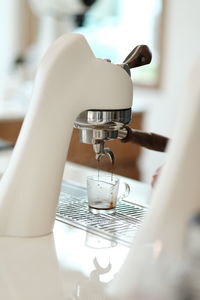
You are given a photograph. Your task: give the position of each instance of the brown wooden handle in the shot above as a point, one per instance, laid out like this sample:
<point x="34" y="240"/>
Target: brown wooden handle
<point x="139" y="56"/>
<point x="150" y="140"/>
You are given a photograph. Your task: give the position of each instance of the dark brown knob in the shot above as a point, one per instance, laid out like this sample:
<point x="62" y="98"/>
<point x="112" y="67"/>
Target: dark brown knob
<point x="139" y="56"/>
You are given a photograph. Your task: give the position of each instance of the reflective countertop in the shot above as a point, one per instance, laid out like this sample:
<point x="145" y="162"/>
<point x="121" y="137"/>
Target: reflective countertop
<point x="70" y="263"/>
<point x="67" y="264"/>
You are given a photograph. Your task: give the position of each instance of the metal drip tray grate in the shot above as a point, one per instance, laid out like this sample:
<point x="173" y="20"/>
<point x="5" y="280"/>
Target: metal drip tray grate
<point x="121" y="226"/>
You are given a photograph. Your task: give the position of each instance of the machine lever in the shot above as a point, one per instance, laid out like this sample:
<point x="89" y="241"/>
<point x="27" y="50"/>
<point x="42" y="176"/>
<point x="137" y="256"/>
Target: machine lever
<point x="139" y="56"/>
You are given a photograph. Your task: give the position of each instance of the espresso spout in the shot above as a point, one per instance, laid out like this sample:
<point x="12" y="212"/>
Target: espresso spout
<point x="100" y="151"/>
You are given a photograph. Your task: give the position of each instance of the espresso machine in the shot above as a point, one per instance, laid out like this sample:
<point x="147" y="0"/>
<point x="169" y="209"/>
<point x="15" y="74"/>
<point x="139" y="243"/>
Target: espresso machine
<point x="72" y="86"/>
<point x="99" y="126"/>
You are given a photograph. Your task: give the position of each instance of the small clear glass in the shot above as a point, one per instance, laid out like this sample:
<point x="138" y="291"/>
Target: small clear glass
<point x="103" y="193"/>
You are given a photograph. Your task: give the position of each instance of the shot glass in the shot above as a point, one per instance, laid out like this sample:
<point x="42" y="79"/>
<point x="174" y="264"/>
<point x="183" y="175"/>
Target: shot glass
<point x="103" y="193"/>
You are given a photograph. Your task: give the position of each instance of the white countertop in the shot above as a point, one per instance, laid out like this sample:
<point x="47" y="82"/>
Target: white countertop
<point x="58" y="266"/>
<point x="68" y="264"/>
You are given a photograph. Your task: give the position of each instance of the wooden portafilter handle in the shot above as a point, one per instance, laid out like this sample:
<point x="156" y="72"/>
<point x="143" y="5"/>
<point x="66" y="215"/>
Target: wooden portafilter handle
<point x="150" y="140"/>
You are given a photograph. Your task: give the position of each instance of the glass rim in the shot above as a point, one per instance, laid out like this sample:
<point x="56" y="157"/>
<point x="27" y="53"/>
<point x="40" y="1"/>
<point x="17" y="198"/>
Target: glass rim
<point x="100" y="177"/>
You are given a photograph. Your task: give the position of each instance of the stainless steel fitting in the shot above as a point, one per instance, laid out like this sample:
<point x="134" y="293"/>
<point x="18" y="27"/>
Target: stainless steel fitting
<point x="98" y="126"/>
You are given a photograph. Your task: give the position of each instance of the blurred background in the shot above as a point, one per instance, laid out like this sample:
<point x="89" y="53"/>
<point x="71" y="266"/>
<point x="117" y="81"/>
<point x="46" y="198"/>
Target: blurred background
<point x="113" y="28"/>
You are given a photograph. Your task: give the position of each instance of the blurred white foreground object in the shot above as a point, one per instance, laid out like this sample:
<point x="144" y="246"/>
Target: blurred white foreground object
<point x="55" y="18"/>
<point x="14" y="33"/>
<point x="156" y="258"/>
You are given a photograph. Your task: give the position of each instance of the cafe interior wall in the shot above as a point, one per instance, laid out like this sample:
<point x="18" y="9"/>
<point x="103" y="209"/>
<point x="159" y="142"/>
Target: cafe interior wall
<point x="181" y="51"/>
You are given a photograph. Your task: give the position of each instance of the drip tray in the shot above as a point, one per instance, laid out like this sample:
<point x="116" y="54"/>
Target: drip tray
<point x="121" y="226"/>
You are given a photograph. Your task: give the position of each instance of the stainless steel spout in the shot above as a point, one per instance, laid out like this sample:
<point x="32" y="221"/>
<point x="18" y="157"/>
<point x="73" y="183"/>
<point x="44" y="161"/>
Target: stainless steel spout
<point x="100" y="151"/>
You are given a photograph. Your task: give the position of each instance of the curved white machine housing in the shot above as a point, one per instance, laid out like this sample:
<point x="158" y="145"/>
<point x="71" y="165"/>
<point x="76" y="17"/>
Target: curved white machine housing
<point x="70" y="80"/>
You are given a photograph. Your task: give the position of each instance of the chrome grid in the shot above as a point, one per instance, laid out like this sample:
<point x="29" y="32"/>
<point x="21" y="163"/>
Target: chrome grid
<point x="121" y="226"/>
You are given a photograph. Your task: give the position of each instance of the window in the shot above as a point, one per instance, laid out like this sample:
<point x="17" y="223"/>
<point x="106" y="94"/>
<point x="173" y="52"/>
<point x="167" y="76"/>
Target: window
<point x="113" y="28"/>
